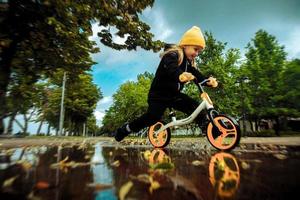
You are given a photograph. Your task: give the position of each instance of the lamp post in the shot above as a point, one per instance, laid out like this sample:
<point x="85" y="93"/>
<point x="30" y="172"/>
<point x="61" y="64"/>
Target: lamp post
<point x="61" y="117"/>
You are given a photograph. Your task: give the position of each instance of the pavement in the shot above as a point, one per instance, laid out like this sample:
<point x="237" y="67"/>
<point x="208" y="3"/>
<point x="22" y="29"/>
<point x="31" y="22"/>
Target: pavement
<point x="11" y="142"/>
<point x="287" y="141"/>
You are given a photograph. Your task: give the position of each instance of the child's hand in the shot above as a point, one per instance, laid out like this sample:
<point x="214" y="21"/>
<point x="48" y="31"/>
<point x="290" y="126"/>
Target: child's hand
<point x="186" y="76"/>
<point x="212" y="82"/>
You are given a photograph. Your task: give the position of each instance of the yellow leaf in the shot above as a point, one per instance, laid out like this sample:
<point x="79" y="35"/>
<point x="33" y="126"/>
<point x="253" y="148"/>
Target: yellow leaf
<point x="245" y="165"/>
<point x="147" y="154"/>
<point x="280" y="156"/>
<point x="198" y="163"/>
<point x="25" y="164"/>
<point x="9" y="182"/>
<point x="154" y="185"/>
<point x="116" y="163"/>
<point x="125" y="189"/>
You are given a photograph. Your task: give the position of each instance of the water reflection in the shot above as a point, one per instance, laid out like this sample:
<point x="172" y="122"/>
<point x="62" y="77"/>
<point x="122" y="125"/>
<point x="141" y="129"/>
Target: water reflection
<point x="103" y="172"/>
<point x="224" y="174"/>
<point x="173" y="174"/>
<point x="102" y="175"/>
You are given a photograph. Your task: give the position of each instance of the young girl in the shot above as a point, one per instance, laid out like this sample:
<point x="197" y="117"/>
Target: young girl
<point x="177" y="67"/>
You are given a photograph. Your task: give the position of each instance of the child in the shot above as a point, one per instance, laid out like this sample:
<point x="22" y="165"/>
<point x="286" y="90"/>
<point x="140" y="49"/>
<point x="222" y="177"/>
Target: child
<point x="176" y="67"/>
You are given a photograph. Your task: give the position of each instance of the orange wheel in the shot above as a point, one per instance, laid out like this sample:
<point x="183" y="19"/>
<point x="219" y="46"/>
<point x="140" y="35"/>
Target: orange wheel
<point x="224" y="174"/>
<point x="226" y="135"/>
<point x="158" y="156"/>
<point x="159" y="139"/>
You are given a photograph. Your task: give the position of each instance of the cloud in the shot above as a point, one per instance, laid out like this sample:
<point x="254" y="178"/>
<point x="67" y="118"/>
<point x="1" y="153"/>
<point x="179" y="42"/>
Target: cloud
<point x="157" y="21"/>
<point x="102" y="106"/>
<point x="99" y="115"/>
<point x="106" y="100"/>
<point x="292" y="43"/>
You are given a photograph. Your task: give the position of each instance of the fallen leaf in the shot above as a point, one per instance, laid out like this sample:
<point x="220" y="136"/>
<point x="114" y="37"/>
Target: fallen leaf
<point x="99" y="186"/>
<point x="164" y="166"/>
<point x="125" y="189"/>
<point x="198" y="163"/>
<point x="41" y="185"/>
<point x="280" y="156"/>
<point x="116" y="163"/>
<point x="146" y="154"/>
<point x="9" y="182"/>
<point x="31" y="196"/>
<point x="25" y="164"/>
<point x="154" y="185"/>
<point x="245" y="165"/>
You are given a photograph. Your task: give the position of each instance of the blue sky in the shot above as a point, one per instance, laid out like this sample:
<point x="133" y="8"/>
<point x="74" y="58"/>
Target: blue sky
<point x="231" y="21"/>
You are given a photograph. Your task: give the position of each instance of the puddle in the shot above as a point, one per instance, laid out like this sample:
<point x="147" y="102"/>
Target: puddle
<point x="107" y="172"/>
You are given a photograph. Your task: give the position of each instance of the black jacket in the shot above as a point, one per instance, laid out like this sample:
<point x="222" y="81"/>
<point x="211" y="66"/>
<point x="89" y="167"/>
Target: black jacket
<point x="166" y="84"/>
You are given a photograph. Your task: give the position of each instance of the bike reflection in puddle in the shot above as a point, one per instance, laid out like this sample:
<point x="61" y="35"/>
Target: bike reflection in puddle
<point x="224" y="174"/>
<point x="163" y="180"/>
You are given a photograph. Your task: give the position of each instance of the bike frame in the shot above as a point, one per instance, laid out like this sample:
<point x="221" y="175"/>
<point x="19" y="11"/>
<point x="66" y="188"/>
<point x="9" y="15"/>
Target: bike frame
<point x="205" y="104"/>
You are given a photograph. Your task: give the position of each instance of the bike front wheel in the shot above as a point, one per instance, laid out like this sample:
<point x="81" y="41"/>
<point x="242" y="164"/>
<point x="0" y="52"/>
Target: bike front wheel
<point x="159" y="139"/>
<point x="225" y="134"/>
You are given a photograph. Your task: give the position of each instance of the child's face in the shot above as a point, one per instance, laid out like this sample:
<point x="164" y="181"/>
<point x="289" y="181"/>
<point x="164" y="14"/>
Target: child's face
<point x="191" y="51"/>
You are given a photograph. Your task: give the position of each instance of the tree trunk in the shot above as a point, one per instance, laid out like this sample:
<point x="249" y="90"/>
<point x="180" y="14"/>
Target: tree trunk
<point x="2" y="128"/>
<point x="11" y="122"/>
<point x="48" y="130"/>
<point x="256" y="124"/>
<point x="25" y="124"/>
<point x="7" y="55"/>
<point x="277" y="126"/>
<point x="40" y="127"/>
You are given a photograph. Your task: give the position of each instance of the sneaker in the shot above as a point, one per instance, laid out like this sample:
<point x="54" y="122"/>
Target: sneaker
<point x="121" y="133"/>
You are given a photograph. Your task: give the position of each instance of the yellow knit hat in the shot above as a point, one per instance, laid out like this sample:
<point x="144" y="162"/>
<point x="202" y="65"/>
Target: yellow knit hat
<point x="193" y="36"/>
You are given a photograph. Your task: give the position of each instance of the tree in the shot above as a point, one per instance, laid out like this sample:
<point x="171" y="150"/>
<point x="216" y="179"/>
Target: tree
<point x="290" y="93"/>
<point x="81" y="98"/>
<point x="129" y="102"/>
<point x="222" y="64"/>
<point x="53" y="34"/>
<point x="263" y="68"/>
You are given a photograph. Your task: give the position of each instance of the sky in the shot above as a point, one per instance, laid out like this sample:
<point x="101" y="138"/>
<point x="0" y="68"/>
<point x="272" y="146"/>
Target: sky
<point x="231" y="21"/>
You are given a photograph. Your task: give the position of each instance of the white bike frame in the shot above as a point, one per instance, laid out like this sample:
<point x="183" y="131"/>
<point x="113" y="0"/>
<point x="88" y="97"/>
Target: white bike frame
<point x="205" y="104"/>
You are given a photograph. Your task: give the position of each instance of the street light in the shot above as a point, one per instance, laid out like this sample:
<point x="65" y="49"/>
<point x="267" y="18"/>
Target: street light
<point x="61" y="117"/>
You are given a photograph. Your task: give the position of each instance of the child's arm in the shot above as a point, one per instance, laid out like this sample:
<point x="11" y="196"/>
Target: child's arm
<point x="212" y="81"/>
<point x="199" y="76"/>
<point x="171" y="65"/>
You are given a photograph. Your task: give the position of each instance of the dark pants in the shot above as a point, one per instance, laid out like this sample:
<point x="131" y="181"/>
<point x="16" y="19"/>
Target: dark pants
<point x="156" y="109"/>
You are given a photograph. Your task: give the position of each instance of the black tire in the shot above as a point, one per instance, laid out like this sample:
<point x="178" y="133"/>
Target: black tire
<point x="213" y="132"/>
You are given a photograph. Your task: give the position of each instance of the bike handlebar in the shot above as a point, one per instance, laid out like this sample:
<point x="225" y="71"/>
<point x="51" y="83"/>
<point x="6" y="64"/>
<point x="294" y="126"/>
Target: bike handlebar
<point x="204" y="81"/>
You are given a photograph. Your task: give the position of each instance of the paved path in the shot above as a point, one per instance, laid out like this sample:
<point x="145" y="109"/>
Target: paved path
<point x="6" y="142"/>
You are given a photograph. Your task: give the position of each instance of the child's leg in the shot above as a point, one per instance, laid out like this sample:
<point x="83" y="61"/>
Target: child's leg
<point x="154" y="113"/>
<point x="188" y="105"/>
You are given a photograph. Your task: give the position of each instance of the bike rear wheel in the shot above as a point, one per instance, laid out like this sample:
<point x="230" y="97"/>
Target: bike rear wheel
<point x="159" y="139"/>
<point x="225" y="134"/>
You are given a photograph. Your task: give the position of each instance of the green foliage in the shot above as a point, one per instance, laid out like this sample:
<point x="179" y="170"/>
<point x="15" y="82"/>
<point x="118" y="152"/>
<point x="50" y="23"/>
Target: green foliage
<point x="223" y="65"/>
<point x="39" y="37"/>
<point x="263" y="70"/>
<point x="263" y="86"/>
<point x="129" y="102"/>
<point x="81" y="98"/>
